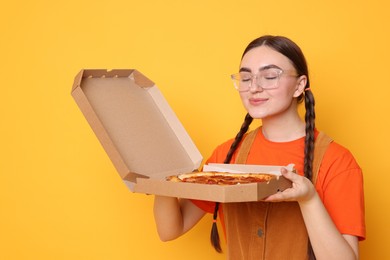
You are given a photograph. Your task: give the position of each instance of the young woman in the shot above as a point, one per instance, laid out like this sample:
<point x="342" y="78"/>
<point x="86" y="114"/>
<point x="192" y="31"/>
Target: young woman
<point x="322" y="215"/>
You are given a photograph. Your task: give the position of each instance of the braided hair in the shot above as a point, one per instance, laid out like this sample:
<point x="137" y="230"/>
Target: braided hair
<point x="292" y="51"/>
<point x="214" y="237"/>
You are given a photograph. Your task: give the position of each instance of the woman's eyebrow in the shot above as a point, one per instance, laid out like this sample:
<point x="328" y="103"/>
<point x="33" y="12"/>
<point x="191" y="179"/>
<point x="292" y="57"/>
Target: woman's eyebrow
<point x="245" y="69"/>
<point x="271" y="66"/>
<point x="266" y="67"/>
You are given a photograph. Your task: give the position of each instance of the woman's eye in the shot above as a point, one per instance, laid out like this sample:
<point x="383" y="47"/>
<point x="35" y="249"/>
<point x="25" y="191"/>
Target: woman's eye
<point x="270" y="74"/>
<point x="246" y="78"/>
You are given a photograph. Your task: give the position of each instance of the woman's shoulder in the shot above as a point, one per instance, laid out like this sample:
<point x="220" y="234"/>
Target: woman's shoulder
<point x="337" y="151"/>
<point x="338" y="159"/>
<point x="219" y="153"/>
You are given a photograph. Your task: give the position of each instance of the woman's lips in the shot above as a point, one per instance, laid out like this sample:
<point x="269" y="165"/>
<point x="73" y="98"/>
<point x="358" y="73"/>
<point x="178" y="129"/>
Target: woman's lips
<point x="257" y="101"/>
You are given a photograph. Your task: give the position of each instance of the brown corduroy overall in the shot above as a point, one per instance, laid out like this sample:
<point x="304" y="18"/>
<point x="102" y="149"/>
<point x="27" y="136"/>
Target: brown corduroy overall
<point x="268" y="230"/>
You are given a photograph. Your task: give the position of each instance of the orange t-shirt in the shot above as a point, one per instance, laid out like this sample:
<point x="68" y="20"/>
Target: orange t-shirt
<point x="339" y="182"/>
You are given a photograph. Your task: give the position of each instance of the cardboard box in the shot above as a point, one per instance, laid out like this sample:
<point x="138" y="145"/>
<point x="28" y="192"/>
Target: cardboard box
<point x="146" y="142"/>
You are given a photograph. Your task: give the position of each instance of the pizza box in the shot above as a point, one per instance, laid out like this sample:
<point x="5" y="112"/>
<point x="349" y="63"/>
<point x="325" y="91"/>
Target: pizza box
<point x="146" y="141"/>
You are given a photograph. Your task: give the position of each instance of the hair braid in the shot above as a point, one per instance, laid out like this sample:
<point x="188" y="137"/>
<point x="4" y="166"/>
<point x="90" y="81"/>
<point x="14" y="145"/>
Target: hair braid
<point x="214" y="236"/>
<point x="244" y="128"/>
<point x="309" y="139"/>
<point x="309" y="146"/>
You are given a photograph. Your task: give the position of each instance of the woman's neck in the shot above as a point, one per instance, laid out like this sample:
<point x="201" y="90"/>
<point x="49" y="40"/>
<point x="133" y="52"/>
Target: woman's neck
<point x="283" y="129"/>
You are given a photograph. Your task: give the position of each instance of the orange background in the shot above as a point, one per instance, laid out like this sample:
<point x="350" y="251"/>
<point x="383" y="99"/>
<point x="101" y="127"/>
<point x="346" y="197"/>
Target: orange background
<point x="60" y="196"/>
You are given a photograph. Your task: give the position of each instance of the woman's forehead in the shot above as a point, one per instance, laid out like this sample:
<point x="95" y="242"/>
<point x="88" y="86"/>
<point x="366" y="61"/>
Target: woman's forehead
<point x="264" y="56"/>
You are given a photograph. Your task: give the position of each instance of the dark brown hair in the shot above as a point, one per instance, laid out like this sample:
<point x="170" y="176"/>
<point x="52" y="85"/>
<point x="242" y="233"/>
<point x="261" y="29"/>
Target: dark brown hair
<point x="292" y="51"/>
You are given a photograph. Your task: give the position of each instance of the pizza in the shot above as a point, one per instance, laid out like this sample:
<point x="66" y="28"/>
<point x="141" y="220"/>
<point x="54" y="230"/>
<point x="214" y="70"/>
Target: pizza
<point x="221" y="178"/>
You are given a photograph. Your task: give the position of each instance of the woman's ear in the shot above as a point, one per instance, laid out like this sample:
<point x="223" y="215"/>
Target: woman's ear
<point x="301" y="85"/>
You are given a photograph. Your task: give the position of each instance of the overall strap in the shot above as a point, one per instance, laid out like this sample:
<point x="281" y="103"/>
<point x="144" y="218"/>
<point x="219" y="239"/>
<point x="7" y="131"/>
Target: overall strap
<point x="320" y="146"/>
<point x="246" y="145"/>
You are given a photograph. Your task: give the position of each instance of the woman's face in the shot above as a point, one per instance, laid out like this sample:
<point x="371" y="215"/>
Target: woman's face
<point x="265" y="103"/>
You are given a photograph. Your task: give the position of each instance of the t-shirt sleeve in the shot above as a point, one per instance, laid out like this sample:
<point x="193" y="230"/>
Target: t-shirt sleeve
<point x="340" y="186"/>
<point x="219" y="154"/>
<point x="206" y="206"/>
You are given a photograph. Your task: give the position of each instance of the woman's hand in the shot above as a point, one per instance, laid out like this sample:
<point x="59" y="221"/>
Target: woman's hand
<point x="326" y="240"/>
<point x="302" y="189"/>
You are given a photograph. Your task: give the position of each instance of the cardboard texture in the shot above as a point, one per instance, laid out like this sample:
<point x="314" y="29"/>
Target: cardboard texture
<point x="145" y="140"/>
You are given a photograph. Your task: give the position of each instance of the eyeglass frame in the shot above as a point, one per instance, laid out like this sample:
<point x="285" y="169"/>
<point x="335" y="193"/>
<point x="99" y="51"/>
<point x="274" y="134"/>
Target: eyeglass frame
<point x="255" y="77"/>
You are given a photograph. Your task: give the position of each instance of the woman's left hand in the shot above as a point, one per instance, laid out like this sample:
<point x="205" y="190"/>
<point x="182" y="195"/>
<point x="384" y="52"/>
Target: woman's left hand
<point x="302" y="189"/>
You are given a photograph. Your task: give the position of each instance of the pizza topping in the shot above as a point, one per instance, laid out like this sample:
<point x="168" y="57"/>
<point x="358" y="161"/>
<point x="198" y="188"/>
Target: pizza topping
<point x="221" y="178"/>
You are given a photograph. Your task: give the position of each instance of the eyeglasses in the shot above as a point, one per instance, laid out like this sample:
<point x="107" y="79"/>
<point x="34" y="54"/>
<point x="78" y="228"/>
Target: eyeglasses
<point x="266" y="79"/>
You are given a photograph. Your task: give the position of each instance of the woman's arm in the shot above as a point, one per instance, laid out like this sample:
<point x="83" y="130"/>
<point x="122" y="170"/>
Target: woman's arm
<point x="174" y="216"/>
<point x="326" y="240"/>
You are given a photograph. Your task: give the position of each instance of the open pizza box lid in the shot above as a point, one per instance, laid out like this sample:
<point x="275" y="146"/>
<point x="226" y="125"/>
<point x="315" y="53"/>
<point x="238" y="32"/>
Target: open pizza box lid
<point x="146" y="142"/>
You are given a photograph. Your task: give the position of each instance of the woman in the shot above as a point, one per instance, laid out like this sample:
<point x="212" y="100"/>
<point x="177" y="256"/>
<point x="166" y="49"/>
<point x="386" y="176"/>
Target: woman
<point x="322" y="215"/>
